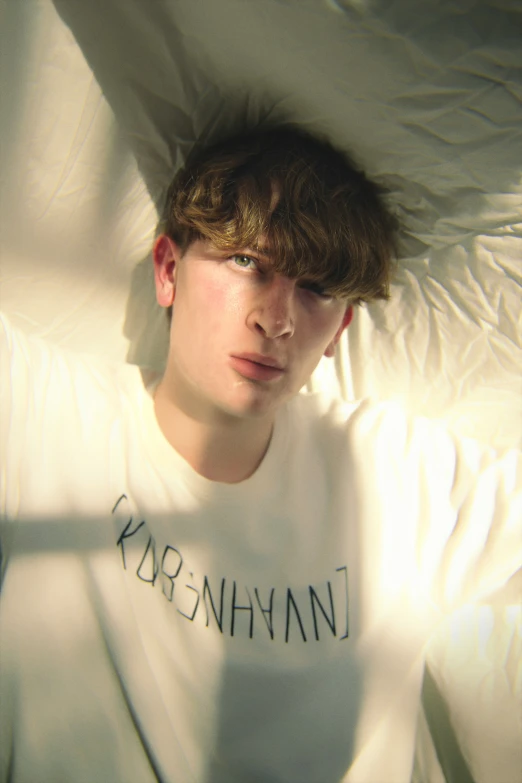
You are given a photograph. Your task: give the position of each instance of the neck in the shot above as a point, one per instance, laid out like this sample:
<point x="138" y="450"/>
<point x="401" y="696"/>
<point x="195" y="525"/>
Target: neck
<point x="225" y="449"/>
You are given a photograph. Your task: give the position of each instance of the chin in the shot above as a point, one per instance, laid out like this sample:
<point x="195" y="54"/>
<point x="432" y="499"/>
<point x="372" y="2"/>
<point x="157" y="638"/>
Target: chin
<point x="254" y="406"/>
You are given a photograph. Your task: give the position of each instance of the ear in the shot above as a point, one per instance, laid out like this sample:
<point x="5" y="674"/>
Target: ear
<point x="166" y="254"/>
<point x="347" y="317"/>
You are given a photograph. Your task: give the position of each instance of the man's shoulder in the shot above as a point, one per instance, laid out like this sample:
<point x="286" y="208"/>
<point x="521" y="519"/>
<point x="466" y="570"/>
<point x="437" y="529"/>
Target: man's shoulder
<point x="369" y="429"/>
<point x="326" y="410"/>
<point x="32" y="366"/>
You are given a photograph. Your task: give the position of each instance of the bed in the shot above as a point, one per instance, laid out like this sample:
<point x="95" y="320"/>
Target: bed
<point x="103" y="100"/>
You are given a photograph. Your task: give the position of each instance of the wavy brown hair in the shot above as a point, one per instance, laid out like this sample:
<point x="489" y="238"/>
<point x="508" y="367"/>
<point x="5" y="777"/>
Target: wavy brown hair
<point x="315" y="213"/>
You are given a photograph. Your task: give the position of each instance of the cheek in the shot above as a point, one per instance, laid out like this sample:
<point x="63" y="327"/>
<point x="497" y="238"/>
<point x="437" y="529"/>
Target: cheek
<point x="203" y="300"/>
<point x="322" y="329"/>
<point x="208" y="309"/>
<point x="224" y="301"/>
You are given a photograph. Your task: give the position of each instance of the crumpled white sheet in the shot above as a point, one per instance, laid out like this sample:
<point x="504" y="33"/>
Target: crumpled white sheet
<point x="96" y="116"/>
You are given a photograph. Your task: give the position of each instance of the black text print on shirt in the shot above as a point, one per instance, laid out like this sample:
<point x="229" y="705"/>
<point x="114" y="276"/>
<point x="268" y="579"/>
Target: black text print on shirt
<point x="310" y="614"/>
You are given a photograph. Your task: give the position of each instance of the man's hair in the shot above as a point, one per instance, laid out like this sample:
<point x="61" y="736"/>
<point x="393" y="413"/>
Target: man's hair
<point x="291" y="194"/>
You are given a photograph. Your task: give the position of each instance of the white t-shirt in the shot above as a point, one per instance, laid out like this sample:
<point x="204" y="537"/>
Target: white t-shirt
<point x="156" y="625"/>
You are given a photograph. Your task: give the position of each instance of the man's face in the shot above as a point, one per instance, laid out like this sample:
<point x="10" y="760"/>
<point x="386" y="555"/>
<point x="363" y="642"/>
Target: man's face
<point x="243" y="339"/>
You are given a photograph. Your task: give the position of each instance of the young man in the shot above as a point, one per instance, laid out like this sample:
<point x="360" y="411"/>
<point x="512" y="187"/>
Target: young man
<point x="215" y="578"/>
<point x="269" y="241"/>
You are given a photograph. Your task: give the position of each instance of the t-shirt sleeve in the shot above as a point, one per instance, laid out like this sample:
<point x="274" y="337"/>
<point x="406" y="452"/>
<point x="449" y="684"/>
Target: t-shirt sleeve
<point x="15" y="371"/>
<point x="471" y="544"/>
<point x="15" y="383"/>
<point x="440" y="513"/>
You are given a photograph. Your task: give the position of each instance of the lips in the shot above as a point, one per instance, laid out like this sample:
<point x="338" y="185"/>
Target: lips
<point x="258" y="358"/>
<point x="254" y="369"/>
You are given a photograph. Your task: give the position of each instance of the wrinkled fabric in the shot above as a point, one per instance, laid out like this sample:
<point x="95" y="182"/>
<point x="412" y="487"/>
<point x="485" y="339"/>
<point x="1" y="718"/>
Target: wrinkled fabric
<point x="101" y="101"/>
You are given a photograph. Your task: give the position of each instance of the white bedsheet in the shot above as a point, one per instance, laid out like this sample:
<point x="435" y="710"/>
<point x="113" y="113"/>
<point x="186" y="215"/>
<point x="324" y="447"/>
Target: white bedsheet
<point x="102" y="99"/>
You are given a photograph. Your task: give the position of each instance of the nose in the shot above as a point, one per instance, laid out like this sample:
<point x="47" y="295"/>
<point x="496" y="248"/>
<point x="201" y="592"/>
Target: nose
<point x="273" y="313"/>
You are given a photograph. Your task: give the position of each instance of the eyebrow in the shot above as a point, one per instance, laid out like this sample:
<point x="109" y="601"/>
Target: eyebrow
<point x="260" y="251"/>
